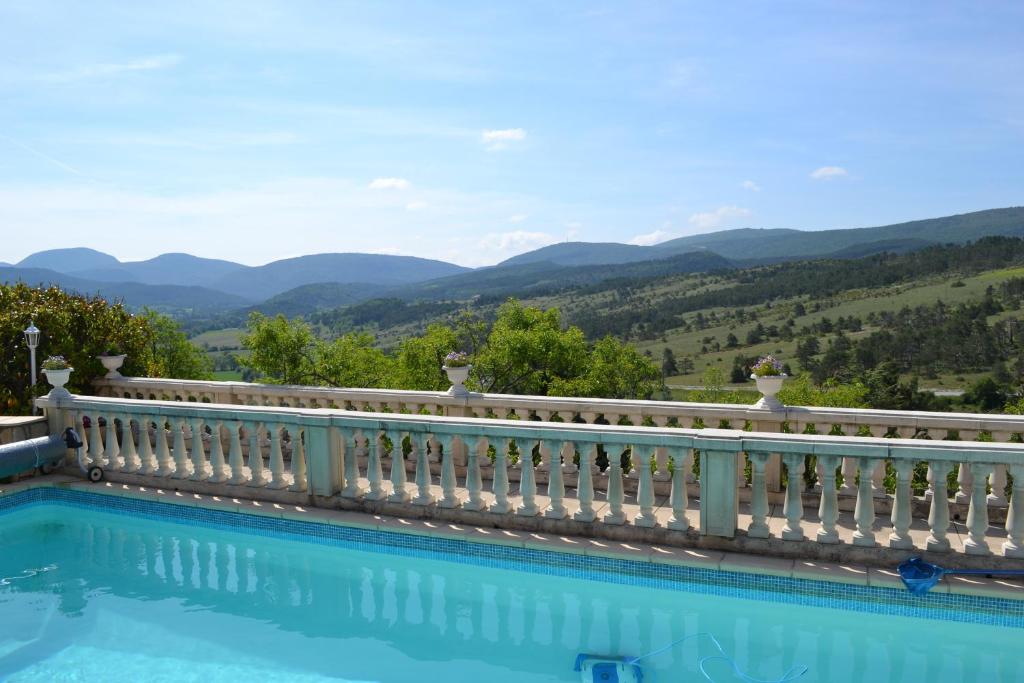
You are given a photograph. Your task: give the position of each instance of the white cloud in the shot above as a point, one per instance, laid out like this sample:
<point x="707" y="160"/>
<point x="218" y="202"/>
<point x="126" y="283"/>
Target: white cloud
<point x="828" y="172"/>
<point x="647" y="239"/>
<point x="416" y="206"/>
<point x="518" y="218"/>
<point x="750" y="185"/>
<point x="498" y="246"/>
<point x="389" y="184"/>
<point x="720" y="217"/>
<point x="102" y="70"/>
<point x="495" y="140"/>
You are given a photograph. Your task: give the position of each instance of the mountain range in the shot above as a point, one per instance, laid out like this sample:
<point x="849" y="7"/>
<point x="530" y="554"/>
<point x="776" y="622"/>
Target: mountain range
<point x="192" y="285"/>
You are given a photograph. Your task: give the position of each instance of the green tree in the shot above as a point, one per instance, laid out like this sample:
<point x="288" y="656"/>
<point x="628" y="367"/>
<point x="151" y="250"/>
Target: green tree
<point x="420" y="359"/>
<point x="527" y="350"/>
<point x="668" y="363"/>
<point x="171" y="354"/>
<point x="80" y="328"/>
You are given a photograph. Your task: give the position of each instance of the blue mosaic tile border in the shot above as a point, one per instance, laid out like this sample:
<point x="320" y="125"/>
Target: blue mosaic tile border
<point x="775" y="589"/>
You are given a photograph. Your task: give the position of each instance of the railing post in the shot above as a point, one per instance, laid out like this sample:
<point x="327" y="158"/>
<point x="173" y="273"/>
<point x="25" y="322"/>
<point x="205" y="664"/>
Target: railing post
<point x="645" y="491"/>
<point x="527" y="483"/>
<point x="900" y="518"/>
<point x="828" y="509"/>
<point x="758" y="527"/>
<point x="938" y="513"/>
<point x="323" y="445"/>
<point x="719" y="504"/>
<point x="556" y="486"/>
<point x="1014" y="544"/>
<point x="180" y="454"/>
<point x="499" y="483"/>
<point x="424" y="496"/>
<point x="793" y="508"/>
<point x="350" y="455"/>
<point x="449" y="498"/>
<point x="374" y="468"/>
<point x="256" y="477"/>
<point x="678" y="498"/>
<point x="198" y="452"/>
<point x="864" y="512"/>
<point x="299" y="470"/>
<point x="977" y="513"/>
<point x="398" y="476"/>
<point x="474" y="483"/>
<point x="585" y="484"/>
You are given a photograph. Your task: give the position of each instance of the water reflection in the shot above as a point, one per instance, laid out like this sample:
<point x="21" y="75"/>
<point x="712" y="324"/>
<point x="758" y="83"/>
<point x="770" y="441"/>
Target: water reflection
<point x="430" y="611"/>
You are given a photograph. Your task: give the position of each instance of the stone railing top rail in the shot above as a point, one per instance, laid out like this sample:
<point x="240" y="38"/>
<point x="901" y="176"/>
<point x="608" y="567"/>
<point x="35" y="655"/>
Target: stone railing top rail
<point x="441" y="426"/>
<point x="1001" y="424"/>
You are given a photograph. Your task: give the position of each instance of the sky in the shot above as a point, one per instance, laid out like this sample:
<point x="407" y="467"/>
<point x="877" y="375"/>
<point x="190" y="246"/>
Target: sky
<point x="470" y="132"/>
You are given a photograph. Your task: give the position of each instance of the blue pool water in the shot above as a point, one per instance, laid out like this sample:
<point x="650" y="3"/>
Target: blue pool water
<point x="98" y="588"/>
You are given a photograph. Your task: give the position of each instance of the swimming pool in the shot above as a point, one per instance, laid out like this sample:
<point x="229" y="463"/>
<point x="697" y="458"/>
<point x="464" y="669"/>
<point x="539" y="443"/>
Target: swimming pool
<point x="99" y="587"/>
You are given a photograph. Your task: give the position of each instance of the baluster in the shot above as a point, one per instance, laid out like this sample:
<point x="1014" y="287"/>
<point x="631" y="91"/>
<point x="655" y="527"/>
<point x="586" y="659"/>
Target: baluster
<point x="878" y="480"/>
<point x="449" y="497"/>
<point x="758" y="495"/>
<point x="163" y="455"/>
<point x="793" y="507"/>
<point x="298" y="465"/>
<point x="499" y="483"/>
<point x="556" y="485"/>
<point x="350" y="457"/>
<point x="84" y="434"/>
<point x="688" y="466"/>
<point x="849" y="476"/>
<point x="256" y="476"/>
<point x="864" y="512"/>
<point x="148" y="464"/>
<point x="474" y="485"/>
<point x="645" y="491"/>
<point x="585" y="484"/>
<point x="677" y="497"/>
<point x="374" y="469"/>
<point x="111" y="451"/>
<point x="615" y="514"/>
<point x="218" y="471"/>
<point x="277" y="478"/>
<point x="998" y="484"/>
<point x="198" y="452"/>
<point x="527" y="483"/>
<point x="741" y="466"/>
<point x="662" y="472"/>
<point x="938" y="514"/>
<point x="95" y="441"/>
<point x="419" y="445"/>
<point x="235" y="461"/>
<point x="131" y="457"/>
<point x="965" y="481"/>
<point x="1013" y="546"/>
<point x="398" y="478"/>
<point x="828" y="508"/>
<point x="977" y="513"/>
<point x="900" y="518"/>
<point x="181" y="470"/>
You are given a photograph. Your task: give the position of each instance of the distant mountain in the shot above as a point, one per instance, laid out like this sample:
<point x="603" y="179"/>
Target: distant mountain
<point x="174" y="299"/>
<point x="166" y="269"/>
<point x="69" y="260"/>
<point x="755" y="244"/>
<point x="314" y="297"/>
<point x="248" y="282"/>
<point x="774" y="244"/>
<point x="585" y="254"/>
<point x="375" y="269"/>
<point x="531" y="279"/>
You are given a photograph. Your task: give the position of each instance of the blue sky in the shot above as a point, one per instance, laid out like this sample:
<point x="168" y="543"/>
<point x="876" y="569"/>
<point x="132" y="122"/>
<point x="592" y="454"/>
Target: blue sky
<point x="472" y="131"/>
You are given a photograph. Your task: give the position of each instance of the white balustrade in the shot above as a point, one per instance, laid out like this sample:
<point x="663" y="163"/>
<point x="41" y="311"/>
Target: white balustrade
<point x="323" y="452"/>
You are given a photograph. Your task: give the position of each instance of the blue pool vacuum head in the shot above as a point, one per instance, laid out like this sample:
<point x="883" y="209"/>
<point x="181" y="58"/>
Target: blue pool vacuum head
<point x="607" y="669"/>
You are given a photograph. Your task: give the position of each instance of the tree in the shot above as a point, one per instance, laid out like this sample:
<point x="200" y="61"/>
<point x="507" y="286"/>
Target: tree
<point x="668" y="363"/>
<point x="171" y="354"/>
<point x="731" y="341"/>
<point x="80" y="328"/>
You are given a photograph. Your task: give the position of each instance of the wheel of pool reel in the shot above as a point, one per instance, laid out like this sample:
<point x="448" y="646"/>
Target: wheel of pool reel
<point x="95" y="473"/>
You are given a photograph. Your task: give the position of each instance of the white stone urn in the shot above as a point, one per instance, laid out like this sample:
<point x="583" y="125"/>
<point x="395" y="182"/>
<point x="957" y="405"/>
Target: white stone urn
<point x="458" y="376"/>
<point x="113" y="365"/>
<point x="58" y="378"/>
<point x="769" y="386"/>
